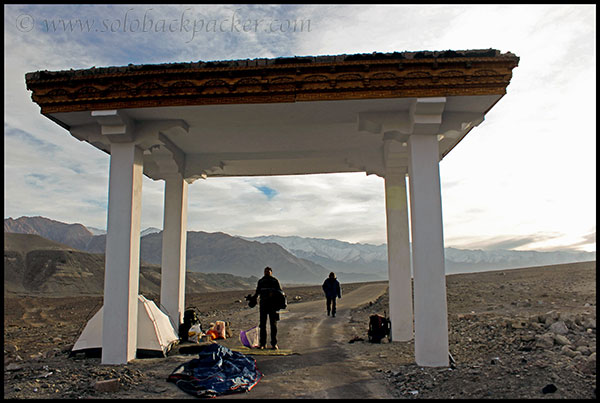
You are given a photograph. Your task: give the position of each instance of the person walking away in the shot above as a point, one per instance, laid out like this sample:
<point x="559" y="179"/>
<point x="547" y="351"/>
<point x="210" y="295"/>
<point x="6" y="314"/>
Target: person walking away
<point x="268" y="288"/>
<point x="332" y="289"/>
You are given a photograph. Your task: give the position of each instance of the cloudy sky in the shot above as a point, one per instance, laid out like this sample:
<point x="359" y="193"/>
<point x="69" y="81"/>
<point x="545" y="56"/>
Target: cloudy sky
<point x="524" y="179"/>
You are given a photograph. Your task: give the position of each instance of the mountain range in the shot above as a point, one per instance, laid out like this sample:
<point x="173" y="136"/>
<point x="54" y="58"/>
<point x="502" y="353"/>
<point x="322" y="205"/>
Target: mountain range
<point x="39" y="266"/>
<point x="206" y="252"/>
<point x="350" y="259"/>
<point x="294" y="259"/>
<point x="361" y="258"/>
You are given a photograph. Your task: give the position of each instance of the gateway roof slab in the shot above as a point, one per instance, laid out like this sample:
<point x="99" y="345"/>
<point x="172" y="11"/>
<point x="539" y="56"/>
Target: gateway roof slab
<point x="282" y="116"/>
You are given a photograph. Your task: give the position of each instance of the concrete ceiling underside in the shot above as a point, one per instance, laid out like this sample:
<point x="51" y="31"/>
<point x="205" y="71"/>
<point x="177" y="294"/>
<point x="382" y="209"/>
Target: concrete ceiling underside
<point x="281" y="138"/>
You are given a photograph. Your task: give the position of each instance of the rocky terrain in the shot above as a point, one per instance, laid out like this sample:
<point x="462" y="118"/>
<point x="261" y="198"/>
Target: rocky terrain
<point x="521" y="333"/>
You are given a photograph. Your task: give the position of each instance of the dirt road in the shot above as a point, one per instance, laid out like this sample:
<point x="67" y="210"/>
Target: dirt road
<point x="320" y="369"/>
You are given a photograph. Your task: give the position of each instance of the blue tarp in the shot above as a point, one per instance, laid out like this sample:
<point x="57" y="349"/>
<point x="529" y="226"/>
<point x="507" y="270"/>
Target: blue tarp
<point x="217" y="371"/>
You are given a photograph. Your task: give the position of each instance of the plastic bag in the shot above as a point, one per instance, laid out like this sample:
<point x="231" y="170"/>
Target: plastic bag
<point x="195" y="333"/>
<point x="249" y="338"/>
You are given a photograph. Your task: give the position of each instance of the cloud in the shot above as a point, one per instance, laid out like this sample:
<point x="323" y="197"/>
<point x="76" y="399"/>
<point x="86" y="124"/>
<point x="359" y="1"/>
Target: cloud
<point x="586" y="240"/>
<point x="306" y="205"/>
<point x="513" y="243"/>
<point x="19" y="136"/>
<point x="524" y="178"/>
<point x="504" y="242"/>
<point x="45" y="178"/>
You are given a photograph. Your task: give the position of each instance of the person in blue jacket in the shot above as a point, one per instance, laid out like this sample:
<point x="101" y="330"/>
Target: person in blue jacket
<point x="332" y="290"/>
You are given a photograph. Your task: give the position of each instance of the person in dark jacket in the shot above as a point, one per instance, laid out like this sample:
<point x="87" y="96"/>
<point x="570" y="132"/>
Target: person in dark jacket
<point x="332" y="290"/>
<point x="268" y="288"/>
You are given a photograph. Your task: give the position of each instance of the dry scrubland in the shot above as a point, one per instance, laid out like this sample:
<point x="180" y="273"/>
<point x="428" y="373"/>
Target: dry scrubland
<point x="512" y="333"/>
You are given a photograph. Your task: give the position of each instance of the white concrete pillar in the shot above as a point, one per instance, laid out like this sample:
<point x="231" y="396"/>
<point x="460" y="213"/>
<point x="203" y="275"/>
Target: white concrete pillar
<point x="174" y="237"/>
<point x="430" y="309"/>
<point x="121" y="276"/>
<point x="400" y="287"/>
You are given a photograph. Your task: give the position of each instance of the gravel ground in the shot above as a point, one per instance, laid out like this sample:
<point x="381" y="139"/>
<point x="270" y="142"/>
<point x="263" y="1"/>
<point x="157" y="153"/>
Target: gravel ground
<point x="521" y="333"/>
<point x="513" y="334"/>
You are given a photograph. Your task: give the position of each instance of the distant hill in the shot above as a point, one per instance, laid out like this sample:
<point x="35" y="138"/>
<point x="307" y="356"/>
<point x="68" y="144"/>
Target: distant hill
<point x="96" y="231"/>
<point x="468" y="261"/>
<point x="74" y="235"/>
<point x="363" y="262"/>
<point x="372" y="259"/>
<point x="294" y="259"/>
<point x="25" y="243"/>
<point x="222" y="253"/>
<point x="206" y="252"/>
<point x="38" y="266"/>
<point x="150" y="230"/>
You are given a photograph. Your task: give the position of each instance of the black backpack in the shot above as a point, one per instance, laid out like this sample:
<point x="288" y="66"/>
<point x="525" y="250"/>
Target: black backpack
<point x="379" y="327"/>
<point x="252" y="300"/>
<point x="280" y="300"/>
<point x="190" y="318"/>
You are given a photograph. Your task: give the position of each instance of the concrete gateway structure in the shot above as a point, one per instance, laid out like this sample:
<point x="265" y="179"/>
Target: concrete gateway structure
<point x="388" y="114"/>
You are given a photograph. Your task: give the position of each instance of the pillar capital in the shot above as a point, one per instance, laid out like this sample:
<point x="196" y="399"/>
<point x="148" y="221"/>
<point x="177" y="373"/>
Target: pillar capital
<point x="377" y="122"/>
<point x="423" y="116"/>
<point x="426" y="115"/>
<point x="116" y="125"/>
<point x="395" y="155"/>
<point x="161" y="155"/>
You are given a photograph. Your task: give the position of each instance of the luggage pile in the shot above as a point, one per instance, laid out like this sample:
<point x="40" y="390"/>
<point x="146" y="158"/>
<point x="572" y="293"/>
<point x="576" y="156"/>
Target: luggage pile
<point x="191" y="328"/>
<point x="217" y="371"/>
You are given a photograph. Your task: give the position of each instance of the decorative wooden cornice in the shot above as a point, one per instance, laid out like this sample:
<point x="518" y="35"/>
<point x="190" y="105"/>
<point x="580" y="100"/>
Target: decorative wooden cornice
<point x="320" y="78"/>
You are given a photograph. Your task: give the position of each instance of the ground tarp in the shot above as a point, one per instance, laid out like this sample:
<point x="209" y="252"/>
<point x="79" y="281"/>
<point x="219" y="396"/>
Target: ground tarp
<point x="217" y="371"/>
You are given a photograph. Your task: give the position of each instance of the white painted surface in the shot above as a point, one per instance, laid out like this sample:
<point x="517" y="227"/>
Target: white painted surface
<point x="172" y="282"/>
<point x="430" y="308"/>
<point x="400" y="287"/>
<point x="280" y="138"/>
<point x="121" y="278"/>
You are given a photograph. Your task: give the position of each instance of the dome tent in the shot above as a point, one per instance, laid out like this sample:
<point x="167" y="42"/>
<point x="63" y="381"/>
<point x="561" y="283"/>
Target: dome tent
<point x="155" y="333"/>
